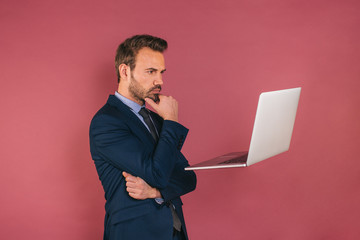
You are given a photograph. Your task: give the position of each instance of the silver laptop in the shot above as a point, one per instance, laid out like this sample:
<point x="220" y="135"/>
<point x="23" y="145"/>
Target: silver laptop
<point x="273" y="127"/>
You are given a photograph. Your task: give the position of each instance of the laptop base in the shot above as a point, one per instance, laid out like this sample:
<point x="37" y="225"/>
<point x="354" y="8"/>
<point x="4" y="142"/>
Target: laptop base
<point x="229" y="160"/>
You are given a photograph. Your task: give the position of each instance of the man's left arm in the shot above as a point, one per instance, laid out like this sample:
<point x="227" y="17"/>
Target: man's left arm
<point x="181" y="182"/>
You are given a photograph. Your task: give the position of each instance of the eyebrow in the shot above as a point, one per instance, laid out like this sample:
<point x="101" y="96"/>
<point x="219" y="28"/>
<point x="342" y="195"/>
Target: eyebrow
<point x="154" y="69"/>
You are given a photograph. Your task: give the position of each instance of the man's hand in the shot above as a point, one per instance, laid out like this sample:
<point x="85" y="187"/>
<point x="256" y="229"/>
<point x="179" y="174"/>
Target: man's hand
<point x="167" y="107"/>
<point x="139" y="189"/>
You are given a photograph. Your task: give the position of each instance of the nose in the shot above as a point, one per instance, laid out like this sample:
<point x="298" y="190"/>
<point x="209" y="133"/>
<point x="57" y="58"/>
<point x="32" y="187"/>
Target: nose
<point x="158" y="80"/>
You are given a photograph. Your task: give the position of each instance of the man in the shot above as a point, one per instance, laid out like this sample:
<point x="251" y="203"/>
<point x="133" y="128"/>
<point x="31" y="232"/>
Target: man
<point x="137" y="152"/>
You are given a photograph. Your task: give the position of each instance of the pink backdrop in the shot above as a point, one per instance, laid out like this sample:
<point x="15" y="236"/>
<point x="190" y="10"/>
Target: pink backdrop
<point x="56" y="61"/>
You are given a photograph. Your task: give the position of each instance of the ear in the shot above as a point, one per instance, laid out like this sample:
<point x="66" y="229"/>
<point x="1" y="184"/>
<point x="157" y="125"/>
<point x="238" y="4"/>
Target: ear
<point x="124" y="71"/>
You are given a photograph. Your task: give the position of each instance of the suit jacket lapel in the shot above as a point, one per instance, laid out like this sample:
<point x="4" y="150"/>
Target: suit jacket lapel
<point x="132" y="120"/>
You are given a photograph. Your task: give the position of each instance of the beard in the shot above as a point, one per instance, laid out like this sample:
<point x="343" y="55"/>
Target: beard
<point x="140" y="93"/>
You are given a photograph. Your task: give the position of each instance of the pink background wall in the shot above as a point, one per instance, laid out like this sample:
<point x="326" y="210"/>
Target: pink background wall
<point x="56" y="61"/>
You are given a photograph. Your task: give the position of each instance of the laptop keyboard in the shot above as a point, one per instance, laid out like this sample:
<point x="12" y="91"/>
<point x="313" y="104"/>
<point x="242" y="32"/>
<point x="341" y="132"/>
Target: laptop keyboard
<point x="241" y="159"/>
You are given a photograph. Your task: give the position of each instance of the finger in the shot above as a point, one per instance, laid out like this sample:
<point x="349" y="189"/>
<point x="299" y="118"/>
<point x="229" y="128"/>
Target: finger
<point x="152" y="103"/>
<point x="132" y="190"/>
<point x="129" y="177"/>
<point x="136" y="196"/>
<point x="131" y="185"/>
<point x="125" y="174"/>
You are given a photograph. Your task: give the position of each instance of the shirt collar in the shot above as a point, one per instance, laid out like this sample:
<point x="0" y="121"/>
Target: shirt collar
<point x="131" y="104"/>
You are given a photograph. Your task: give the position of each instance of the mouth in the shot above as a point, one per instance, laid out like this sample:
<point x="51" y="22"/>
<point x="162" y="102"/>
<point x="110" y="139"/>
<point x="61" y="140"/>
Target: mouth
<point x="155" y="90"/>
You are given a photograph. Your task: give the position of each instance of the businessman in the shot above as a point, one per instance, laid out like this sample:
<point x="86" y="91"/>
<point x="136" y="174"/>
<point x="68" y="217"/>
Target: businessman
<point x="137" y="151"/>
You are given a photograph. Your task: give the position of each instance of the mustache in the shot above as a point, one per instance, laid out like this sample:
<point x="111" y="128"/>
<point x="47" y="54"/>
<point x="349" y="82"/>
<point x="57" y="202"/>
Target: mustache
<point x="155" y="87"/>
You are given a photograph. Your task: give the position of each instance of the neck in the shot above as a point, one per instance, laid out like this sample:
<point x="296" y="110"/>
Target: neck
<point x="126" y="93"/>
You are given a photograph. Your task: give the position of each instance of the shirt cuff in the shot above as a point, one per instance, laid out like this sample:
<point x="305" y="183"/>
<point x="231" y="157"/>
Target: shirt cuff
<point x="159" y="200"/>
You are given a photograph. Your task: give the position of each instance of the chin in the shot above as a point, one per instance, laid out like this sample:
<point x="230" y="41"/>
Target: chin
<point x="154" y="97"/>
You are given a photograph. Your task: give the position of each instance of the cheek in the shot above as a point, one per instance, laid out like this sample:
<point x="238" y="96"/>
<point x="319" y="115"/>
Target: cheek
<point x="146" y="81"/>
<point x="149" y="82"/>
<point x="143" y="79"/>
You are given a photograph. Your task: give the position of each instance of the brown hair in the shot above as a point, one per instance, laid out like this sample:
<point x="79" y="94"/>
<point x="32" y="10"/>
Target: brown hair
<point x="127" y="51"/>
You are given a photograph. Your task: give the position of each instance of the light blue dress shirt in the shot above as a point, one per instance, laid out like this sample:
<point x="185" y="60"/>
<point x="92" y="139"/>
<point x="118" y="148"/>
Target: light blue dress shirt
<point x="135" y="108"/>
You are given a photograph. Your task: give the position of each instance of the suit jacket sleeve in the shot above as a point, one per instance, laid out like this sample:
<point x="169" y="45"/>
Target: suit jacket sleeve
<point x="116" y="143"/>
<point x="181" y="181"/>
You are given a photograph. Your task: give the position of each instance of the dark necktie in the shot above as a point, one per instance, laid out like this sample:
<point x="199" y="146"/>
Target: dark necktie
<point x="146" y="116"/>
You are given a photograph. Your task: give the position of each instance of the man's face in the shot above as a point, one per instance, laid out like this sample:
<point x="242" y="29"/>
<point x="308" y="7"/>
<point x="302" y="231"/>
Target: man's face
<point x="146" y="78"/>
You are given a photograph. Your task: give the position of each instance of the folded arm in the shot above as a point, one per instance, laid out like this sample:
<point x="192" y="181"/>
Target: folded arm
<point x="181" y="182"/>
<point x="139" y="189"/>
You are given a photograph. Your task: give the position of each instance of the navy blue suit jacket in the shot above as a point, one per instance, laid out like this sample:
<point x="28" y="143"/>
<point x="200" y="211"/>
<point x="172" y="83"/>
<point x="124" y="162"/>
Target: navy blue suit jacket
<point x="119" y="142"/>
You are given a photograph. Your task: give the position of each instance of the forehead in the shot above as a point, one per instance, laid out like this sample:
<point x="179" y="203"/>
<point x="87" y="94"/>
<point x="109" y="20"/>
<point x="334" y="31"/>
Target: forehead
<point x="148" y="58"/>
